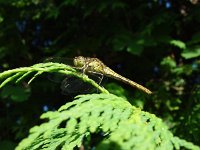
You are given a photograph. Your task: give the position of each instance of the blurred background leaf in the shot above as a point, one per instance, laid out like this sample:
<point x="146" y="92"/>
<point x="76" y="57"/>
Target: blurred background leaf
<point x="16" y="93"/>
<point x="7" y="145"/>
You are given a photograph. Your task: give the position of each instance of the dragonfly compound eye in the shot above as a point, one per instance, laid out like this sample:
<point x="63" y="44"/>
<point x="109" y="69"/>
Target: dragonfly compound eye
<point x="79" y="61"/>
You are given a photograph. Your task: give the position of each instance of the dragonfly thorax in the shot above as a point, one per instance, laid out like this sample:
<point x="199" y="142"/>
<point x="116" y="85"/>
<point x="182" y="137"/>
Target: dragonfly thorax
<point x="89" y="64"/>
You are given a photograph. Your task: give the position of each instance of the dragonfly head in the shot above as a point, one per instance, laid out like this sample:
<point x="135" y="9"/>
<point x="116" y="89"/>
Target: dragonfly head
<point x="79" y="61"/>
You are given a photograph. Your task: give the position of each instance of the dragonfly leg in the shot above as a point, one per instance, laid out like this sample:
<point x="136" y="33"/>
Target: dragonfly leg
<point x="83" y="69"/>
<point x="100" y="76"/>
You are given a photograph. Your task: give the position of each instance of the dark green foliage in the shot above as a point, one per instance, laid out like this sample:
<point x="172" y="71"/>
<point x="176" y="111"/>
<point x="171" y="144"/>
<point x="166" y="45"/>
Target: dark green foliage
<point x="16" y="93"/>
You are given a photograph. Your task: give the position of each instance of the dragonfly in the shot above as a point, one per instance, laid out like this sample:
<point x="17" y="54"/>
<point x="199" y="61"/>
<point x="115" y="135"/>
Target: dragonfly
<point x="96" y="70"/>
<point x="96" y="66"/>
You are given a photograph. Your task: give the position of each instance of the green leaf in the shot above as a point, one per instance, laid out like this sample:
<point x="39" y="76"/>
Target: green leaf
<point x="1" y="19"/>
<point x="178" y="43"/>
<point x="135" y="48"/>
<point x="191" y="53"/>
<point x="116" y="89"/>
<point x="168" y="62"/>
<point x="128" y="42"/>
<point x="195" y="39"/>
<point x="16" y="93"/>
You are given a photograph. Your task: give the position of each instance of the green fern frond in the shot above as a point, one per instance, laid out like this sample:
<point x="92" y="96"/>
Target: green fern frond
<point x="125" y="126"/>
<point x="18" y="74"/>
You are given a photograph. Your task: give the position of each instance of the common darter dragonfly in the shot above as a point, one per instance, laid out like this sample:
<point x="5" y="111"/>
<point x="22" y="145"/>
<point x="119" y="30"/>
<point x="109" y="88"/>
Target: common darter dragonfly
<point x="94" y="67"/>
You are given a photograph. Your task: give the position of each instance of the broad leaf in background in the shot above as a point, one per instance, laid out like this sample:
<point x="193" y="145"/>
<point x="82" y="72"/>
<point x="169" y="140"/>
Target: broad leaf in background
<point x="192" y="52"/>
<point x="16" y="93"/>
<point x="7" y="145"/>
<point x="116" y="89"/>
<point x="1" y="19"/>
<point x="128" y="42"/>
<point x="178" y="44"/>
<point x="195" y="39"/>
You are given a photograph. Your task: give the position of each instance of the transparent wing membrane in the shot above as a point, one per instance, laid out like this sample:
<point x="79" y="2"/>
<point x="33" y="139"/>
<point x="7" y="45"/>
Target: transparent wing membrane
<point x="70" y="84"/>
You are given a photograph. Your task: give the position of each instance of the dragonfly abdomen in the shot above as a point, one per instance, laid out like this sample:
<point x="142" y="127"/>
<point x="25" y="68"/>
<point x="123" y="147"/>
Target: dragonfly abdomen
<point x="110" y="73"/>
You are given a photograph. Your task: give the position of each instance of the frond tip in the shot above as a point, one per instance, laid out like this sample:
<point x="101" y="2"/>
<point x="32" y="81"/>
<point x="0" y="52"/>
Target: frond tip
<point x="123" y="126"/>
<point x="18" y="74"/>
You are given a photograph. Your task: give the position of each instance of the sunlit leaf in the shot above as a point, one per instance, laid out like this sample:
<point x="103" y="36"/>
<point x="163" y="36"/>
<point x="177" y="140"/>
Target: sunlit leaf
<point x="191" y="53"/>
<point x="178" y="43"/>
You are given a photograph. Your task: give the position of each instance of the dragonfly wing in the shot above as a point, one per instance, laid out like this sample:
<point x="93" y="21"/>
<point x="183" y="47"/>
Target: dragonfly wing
<point x="56" y="77"/>
<point x="75" y="85"/>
